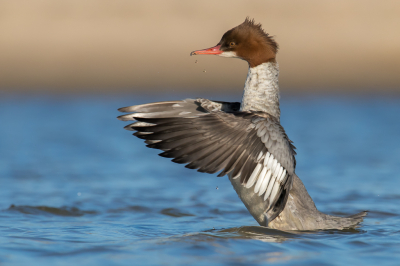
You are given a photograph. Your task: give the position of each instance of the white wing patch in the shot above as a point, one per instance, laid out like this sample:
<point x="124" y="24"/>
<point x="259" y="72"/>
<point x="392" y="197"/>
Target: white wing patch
<point x="267" y="177"/>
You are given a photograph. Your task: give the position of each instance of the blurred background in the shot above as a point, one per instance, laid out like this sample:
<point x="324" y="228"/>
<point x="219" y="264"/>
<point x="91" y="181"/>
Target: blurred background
<point x="144" y="46"/>
<point x="76" y="187"/>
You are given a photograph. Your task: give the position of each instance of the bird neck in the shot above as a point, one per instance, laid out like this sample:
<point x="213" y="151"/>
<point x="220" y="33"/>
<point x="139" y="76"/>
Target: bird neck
<point x="261" y="90"/>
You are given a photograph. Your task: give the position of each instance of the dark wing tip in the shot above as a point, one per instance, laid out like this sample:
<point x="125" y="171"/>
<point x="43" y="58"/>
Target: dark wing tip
<point x="122" y="109"/>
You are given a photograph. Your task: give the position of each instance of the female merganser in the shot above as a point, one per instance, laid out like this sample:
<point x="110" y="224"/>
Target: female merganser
<point x="245" y="140"/>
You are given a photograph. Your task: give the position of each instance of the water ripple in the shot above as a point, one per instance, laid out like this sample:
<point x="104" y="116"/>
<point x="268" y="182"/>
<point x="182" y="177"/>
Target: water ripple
<point x="78" y="189"/>
<point x="44" y="210"/>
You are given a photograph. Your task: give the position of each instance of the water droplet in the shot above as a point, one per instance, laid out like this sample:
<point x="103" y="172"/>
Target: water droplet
<point x="216" y="188"/>
<point x="79" y="194"/>
<point x="204" y="71"/>
<point x="195" y="62"/>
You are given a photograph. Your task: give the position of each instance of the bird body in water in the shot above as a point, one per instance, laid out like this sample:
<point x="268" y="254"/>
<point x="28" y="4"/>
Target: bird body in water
<point x="242" y="140"/>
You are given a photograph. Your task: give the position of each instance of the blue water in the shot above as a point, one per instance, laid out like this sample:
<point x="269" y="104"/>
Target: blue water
<point x="77" y="189"/>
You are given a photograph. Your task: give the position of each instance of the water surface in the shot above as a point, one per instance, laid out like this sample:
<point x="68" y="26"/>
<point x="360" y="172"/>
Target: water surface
<point x="75" y="188"/>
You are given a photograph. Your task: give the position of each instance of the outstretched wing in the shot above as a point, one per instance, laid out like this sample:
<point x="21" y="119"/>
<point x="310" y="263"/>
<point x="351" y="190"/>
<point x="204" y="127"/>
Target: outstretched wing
<point x="214" y="136"/>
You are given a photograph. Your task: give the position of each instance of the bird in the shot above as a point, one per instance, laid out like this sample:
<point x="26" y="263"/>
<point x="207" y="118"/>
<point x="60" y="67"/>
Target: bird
<point x="243" y="140"/>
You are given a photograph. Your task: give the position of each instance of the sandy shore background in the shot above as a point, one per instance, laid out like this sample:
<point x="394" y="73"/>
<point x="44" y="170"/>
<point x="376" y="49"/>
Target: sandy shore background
<point x="121" y="45"/>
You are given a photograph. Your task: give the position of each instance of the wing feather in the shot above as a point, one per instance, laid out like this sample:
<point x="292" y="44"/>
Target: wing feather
<point x="215" y="136"/>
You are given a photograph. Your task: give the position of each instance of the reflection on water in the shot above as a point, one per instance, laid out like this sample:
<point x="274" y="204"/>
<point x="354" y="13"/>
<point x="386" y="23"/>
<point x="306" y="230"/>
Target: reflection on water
<point x="37" y="210"/>
<point x="75" y="186"/>
<point x="244" y="232"/>
<point x="260" y="233"/>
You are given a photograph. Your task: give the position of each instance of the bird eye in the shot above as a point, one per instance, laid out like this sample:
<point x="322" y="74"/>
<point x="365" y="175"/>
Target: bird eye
<point x="232" y="44"/>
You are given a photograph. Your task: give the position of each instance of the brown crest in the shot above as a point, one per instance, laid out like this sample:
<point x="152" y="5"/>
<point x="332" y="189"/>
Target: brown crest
<point x="250" y="42"/>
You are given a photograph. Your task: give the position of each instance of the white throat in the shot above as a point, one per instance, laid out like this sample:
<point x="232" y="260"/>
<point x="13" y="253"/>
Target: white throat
<point x="261" y="90"/>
